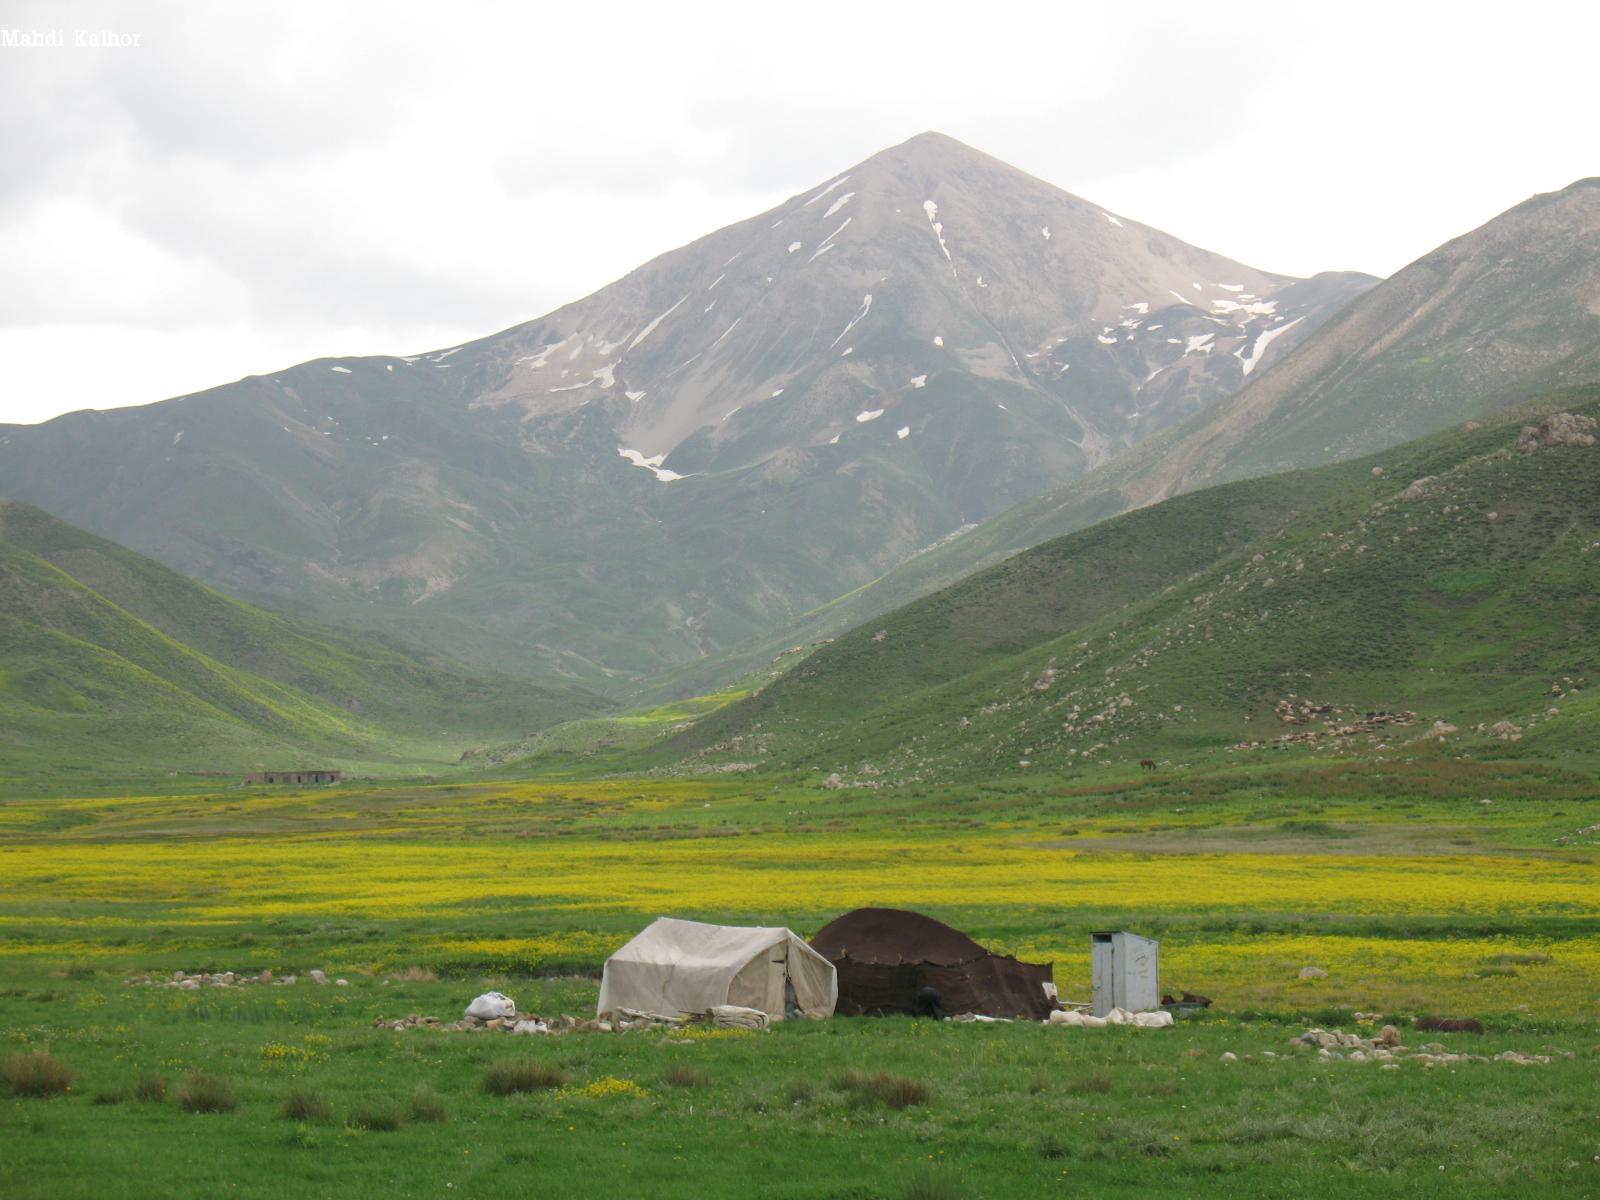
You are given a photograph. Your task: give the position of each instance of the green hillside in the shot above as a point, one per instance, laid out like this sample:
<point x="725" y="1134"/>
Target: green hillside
<point x="111" y="662"/>
<point x="1472" y="597"/>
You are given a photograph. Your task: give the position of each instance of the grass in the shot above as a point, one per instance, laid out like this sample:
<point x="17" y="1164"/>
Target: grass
<point x="1226" y="863"/>
<point x="921" y="1101"/>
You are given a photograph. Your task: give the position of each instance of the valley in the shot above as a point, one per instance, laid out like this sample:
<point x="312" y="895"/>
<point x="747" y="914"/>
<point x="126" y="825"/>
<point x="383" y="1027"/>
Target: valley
<point x="934" y="539"/>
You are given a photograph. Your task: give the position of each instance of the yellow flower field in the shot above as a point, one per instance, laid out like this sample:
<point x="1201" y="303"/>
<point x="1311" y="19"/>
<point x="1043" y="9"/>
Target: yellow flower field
<point x="233" y="880"/>
<point x="475" y="882"/>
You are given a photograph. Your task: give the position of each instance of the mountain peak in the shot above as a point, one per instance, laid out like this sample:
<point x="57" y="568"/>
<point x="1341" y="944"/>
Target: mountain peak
<point x="792" y="404"/>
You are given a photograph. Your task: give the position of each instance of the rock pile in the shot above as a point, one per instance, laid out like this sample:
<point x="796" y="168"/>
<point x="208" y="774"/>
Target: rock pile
<point x="1558" y="429"/>
<point x="621" y="1021"/>
<point x="1386" y="1048"/>
<point x="1336" y="722"/>
<point x="190" y="981"/>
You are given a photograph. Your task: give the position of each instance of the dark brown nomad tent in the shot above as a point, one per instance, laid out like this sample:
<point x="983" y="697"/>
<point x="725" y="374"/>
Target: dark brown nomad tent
<point x="886" y="956"/>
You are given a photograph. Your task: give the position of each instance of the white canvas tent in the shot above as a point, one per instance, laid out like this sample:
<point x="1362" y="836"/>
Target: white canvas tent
<point x="678" y="966"/>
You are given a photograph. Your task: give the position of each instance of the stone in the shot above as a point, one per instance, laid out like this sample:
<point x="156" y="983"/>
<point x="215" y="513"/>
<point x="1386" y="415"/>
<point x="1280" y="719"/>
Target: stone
<point x="1313" y="973"/>
<point x="1229" y="1056"/>
<point x="1558" y="429"/>
<point x="317" y="975"/>
<point x="341" y="983"/>
<point x="1415" y="490"/>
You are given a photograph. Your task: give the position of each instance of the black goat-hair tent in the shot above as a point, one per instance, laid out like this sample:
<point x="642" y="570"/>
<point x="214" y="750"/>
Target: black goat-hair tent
<point x="886" y="956"/>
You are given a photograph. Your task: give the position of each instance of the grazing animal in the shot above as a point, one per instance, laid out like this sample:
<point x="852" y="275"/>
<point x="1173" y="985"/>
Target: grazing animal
<point x="1148" y="764"/>
<point x="1449" y="1024"/>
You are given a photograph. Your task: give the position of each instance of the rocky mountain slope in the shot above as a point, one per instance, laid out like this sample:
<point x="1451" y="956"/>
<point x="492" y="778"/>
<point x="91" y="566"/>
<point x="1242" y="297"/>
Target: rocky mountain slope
<point x="110" y="661"/>
<point x="1453" y="579"/>
<point x="737" y="432"/>
<point x="1486" y="320"/>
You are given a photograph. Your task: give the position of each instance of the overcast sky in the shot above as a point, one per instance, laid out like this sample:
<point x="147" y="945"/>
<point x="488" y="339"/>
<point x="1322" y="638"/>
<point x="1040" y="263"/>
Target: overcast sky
<point x="258" y="184"/>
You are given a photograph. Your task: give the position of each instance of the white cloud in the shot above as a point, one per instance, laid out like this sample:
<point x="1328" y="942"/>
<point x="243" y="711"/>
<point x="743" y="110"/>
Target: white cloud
<point x="263" y="183"/>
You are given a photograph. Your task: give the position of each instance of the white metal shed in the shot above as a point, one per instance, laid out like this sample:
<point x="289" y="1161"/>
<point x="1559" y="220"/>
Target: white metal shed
<point x="1125" y="972"/>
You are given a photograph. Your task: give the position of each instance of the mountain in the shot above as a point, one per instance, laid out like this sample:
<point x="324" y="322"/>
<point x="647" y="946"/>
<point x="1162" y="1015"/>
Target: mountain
<point x="1456" y="578"/>
<point x="1491" y="318"/>
<point x="110" y="661"/>
<point x="733" y="434"/>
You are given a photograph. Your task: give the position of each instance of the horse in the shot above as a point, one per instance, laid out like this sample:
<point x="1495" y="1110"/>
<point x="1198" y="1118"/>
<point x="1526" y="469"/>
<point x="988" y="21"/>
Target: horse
<point x="1147" y="764"/>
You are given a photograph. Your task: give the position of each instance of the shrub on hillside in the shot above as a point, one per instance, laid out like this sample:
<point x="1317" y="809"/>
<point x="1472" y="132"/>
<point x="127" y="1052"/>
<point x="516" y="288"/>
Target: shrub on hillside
<point x="38" y="1074"/>
<point x="684" y="1076"/>
<point x="529" y="1075"/>
<point x="379" y="1118"/>
<point x="895" y="1091"/>
<point x="151" y="1088"/>
<point x="302" y="1105"/>
<point x="426" y="1105"/>
<point x="202" y="1093"/>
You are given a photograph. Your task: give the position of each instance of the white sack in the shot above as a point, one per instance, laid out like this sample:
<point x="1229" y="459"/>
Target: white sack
<point x="490" y="1005"/>
<point x="734" y="1016"/>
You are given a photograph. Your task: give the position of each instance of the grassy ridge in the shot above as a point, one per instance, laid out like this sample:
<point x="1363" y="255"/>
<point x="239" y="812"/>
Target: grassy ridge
<point x="1473" y="599"/>
<point x="108" y="657"/>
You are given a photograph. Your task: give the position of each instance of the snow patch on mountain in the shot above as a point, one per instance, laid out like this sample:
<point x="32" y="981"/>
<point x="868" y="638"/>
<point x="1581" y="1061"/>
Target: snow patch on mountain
<point x="827" y="242"/>
<point x="651" y="328"/>
<point x="837" y="205"/>
<point x="1262" y="342"/>
<point x="534" y="361"/>
<point x="651" y="464"/>
<point x="871" y="414"/>
<point x="932" y="209"/>
<point x="866" y="305"/>
<point x="822" y="193"/>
